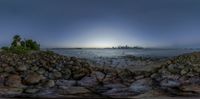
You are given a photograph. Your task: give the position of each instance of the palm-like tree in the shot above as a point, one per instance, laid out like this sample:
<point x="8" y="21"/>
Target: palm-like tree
<point x="16" y="41"/>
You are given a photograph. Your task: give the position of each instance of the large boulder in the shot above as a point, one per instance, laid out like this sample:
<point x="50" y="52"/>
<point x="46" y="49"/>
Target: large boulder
<point x="141" y="86"/>
<point x="33" y="78"/>
<point x="13" y="81"/>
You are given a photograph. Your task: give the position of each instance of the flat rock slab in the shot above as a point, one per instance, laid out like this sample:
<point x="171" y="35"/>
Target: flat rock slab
<point x="194" y="88"/>
<point x="73" y="90"/>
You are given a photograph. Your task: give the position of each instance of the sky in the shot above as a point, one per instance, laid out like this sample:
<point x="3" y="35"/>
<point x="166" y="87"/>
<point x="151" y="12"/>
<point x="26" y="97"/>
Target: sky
<point x="102" y="23"/>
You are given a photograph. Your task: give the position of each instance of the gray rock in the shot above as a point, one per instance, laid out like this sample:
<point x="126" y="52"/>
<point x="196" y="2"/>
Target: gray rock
<point x="170" y="83"/>
<point x="141" y="86"/>
<point x="88" y="81"/>
<point x="22" y="68"/>
<point x="73" y="90"/>
<point x="41" y="71"/>
<point x="34" y="68"/>
<point x="31" y="90"/>
<point x="66" y="73"/>
<point x="10" y="91"/>
<point x="57" y="75"/>
<point x="50" y="83"/>
<point x="118" y="92"/>
<point x="173" y="68"/>
<point x="117" y="86"/>
<point x="65" y="82"/>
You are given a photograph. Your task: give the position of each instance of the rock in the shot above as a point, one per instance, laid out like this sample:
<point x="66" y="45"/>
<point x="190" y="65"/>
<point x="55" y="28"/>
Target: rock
<point x="33" y="78"/>
<point x="13" y="81"/>
<point x="66" y="73"/>
<point x="79" y="72"/>
<point x="1" y="69"/>
<point x="191" y="88"/>
<point x="34" y="68"/>
<point x="139" y="77"/>
<point x="41" y="71"/>
<point x="50" y="83"/>
<point x="2" y="79"/>
<point x="22" y="68"/>
<point x="73" y="90"/>
<point x="141" y="86"/>
<point x="173" y="68"/>
<point x="88" y="81"/>
<point x="9" y="69"/>
<point x="170" y="83"/>
<point x="57" y="75"/>
<point x="10" y="91"/>
<point x="98" y="75"/>
<point x="66" y="82"/>
<point x="184" y="71"/>
<point x="118" y="92"/>
<point x="31" y="90"/>
<point x="194" y="80"/>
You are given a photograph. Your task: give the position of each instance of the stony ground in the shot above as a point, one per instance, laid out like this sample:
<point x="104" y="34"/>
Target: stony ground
<point x="46" y="74"/>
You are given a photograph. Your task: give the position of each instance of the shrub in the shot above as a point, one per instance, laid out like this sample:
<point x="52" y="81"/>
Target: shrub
<point x="5" y="48"/>
<point x="19" y="50"/>
<point x="30" y="44"/>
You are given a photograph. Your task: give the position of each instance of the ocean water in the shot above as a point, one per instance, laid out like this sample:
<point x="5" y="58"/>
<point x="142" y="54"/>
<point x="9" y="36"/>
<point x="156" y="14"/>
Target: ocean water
<point x="96" y="53"/>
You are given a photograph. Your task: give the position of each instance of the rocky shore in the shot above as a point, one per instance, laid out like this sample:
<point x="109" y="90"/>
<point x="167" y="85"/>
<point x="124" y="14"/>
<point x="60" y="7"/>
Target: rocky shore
<point x="48" y="75"/>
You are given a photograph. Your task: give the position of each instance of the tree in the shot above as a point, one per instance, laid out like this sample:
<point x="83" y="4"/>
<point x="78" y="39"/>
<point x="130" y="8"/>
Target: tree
<point x="16" y="41"/>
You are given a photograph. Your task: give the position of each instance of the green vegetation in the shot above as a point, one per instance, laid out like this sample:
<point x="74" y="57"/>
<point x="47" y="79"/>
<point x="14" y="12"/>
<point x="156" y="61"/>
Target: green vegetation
<point x="20" y="46"/>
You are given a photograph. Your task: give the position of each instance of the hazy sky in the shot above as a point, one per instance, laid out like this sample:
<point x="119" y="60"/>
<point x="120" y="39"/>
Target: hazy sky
<point x="102" y="23"/>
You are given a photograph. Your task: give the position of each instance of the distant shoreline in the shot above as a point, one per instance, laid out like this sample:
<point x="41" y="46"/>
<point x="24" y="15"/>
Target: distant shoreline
<point x="134" y="48"/>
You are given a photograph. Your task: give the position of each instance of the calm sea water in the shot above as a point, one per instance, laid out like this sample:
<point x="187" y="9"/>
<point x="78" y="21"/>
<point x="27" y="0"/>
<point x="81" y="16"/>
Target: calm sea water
<point x="94" y="53"/>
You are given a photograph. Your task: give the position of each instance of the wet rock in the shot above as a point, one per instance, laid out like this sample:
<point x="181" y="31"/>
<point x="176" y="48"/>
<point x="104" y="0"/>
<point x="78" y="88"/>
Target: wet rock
<point x="33" y="78"/>
<point x="13" y="81"/>
<point x="141" y="86"/>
